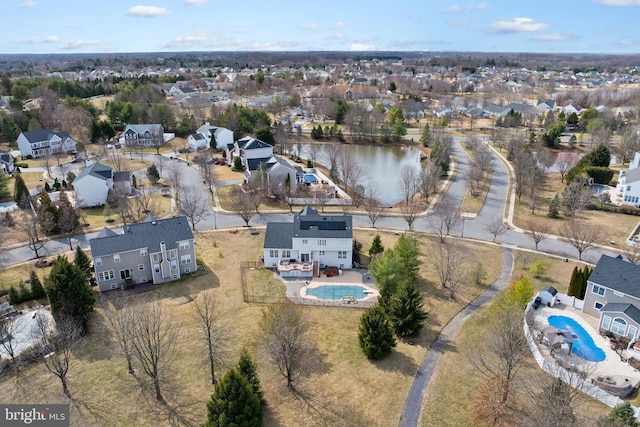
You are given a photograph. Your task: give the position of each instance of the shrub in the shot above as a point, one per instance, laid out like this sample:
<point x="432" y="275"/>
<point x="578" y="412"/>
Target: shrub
<point x="600" y="174"/>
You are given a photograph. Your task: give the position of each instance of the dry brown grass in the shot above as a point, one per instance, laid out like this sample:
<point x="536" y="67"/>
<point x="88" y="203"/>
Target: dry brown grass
<point x="340" y="388"/>
<point x="615" y="226"/>
<point x="224" y="173"/>
<point x="455" y="381"/>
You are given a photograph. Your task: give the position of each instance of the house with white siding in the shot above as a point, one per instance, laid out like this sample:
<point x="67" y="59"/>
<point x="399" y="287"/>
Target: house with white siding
<point x="628" y="186"/>
<point x="92" y="185"/>
<point x="44" y="142"/>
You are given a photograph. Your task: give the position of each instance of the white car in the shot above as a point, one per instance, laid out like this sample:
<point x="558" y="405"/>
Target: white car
<point x="109" y="146"/>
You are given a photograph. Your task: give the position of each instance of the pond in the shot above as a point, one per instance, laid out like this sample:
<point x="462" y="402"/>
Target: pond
<point x="381" y="162"/>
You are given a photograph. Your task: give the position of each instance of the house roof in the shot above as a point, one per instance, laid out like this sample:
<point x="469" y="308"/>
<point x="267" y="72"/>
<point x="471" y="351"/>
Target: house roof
<point x="144" y="235"/>
<point x="105" y="232"/>
<point x="197" y="136"/>
<point x="626" y="308"/>
<point x="122" y="176"/>
<point x="6" y="158"/>
<point x="617" y="274"/>
<point x="97" y="170"/>
<point x="249" y="143"/>
<point x="307" y="224"/>
<point x="553" y="291"/>
<point x="38" y="135"/>
<point x="254" y="164"/>
<point x="141" y="129"/>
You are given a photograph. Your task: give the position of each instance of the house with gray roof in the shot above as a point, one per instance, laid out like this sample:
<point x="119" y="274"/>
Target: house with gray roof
<point x="156" y="250"/>
<point x="6" y="163"/>
<point x="143" y="135"/>
<point x="309" y="244"/>
<point x="44" y="142"/>
<point x="202" y="137"/>
<point x="92" y="185"/>
<point x="613" y="296"/>
<point x="628" y="186"/>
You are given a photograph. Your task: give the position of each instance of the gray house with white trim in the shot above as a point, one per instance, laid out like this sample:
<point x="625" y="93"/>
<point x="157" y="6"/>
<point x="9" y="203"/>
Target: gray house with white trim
<point x="308" y="244"/>
<point x="613" y="296"/>
<point x="155" y="251"/>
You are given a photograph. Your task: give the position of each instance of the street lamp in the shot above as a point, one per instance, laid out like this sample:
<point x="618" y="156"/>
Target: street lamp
<point x="464" y="216"/>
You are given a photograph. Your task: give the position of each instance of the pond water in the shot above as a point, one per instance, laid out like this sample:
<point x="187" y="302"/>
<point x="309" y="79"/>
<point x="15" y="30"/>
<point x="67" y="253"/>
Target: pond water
<point x="381" y="162"/>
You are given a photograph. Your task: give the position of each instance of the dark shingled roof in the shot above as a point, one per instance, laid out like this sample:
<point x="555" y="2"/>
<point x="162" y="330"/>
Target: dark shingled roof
<point x="617" y="274"/>
<point x="553" y="291"/>
<point x="628" y="309"/>
<point x="144" y="235"/>
<point x="98" y="170"/>
<point x="105" y="232"/>
<point x="278" y="235"/>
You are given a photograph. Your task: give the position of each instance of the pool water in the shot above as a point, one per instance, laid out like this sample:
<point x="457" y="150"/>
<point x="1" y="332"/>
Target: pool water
<point x="338" y="291"/>
<point x="583" y="344"/>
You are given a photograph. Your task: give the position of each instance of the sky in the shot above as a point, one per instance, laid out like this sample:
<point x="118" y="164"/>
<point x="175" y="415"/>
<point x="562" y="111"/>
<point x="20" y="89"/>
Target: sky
<point x="90" y="26"/>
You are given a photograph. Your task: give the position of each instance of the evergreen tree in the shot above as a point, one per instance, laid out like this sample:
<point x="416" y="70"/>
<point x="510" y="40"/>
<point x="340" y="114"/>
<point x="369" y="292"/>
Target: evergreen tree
<point x="406" y="310"/>
<point x="5" y="193"/>
<point x="134" y="181"/>
<point x="479" y="273"/>
<point x="70" y="294"/>
<point x="388" y="273"/>
<point x="249" y="370"/>
<point x="408" y="251"/>
<point x="425" y="137"/>
<point x="25" y="293"/>
<point x="584" y="276"/>
<point x="622" y="415"/>
<point x="14" y="296"/>
<point x="20" y="192"/>
<point x="554" y="207"/>
<point x="234" y="403"/>
<point x="37" y="290"/>
<point x="376" y="333"/>
<point x="575" y="284"/>
<point x="153" y="174"/>
<point x="81" y="259"/>
<point x="376" y="246"/>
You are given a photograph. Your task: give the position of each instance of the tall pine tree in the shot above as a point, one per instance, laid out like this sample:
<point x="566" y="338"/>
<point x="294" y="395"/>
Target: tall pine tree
<point x="375" y="334"/>
<point x="234" y="403"/>
<point x="248" y="369"/>
<point x="406" y="310"/>
<point x="82" y="260"/>
<point x="37" y="291"/>
<point x="376" y="246"/>
<point x="20" y="192"/>
<point x="575" y="284"/>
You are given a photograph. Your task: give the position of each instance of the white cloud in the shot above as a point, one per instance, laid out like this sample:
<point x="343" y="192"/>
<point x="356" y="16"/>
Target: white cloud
<point x="30" y="40"/>
<point x="194" y="2"/>
<point x="312" y="26"/>
<point x="77" y="44"/>
<point x="452" y="9"/>
<point x="147" y="11"/>
<point x="51" y="39"/>
<point x="29" y="3"/>
<point x="205" y="40"/>
<point x="517" y="25"/>
<point x="620" y="2"/>
<point x="338" y="25"/>
<point x="362" y="46"/>
<point x="551" y="37"/>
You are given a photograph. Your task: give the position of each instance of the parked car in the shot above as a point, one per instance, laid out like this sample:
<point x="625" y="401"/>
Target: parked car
<point x="214" y="161"/>
<point x="117" y="146"/>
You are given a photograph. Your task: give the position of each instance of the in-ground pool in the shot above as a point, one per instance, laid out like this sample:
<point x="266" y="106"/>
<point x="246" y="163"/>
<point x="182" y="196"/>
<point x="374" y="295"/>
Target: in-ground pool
<point x="309" y="178"/>
<point x="339" y="291"/>
<point x="583" y="344"/>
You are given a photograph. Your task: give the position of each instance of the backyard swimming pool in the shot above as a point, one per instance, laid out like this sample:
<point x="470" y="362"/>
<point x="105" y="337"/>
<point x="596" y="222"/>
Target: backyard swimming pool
<point x="339" y="291"/>
<point x="583" y="344"/>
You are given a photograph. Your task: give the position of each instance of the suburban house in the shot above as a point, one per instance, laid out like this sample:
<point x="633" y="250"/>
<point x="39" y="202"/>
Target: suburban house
<point x="545" y="105"/>
<point x="202" y="137"/>
<point x="143" y="135"/>
<point x="628" y="186"/>
<point x="613" y="296"/>
<point x="249" y="148"/>
<point x="92" y="185"/>
<point x="44" y="142"/>
<point x="309" y="244"/>
<point x="277" y="172"/>
<point x="156" y="251"/>
<point x="6" y="163"/>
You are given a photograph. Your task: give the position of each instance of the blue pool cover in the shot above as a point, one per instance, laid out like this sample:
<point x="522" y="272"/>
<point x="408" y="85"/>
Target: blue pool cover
<point x="337" y="291"/>
<point x="583" y="344"/>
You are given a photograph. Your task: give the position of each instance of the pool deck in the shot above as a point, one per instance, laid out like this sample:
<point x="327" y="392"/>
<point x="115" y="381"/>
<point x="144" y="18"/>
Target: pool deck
<point x="297" y="294"/>
<point x="612" y="365"/>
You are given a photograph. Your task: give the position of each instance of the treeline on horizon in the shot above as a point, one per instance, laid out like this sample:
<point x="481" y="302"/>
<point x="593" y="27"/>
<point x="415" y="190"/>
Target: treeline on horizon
<point x="28" y="64"/>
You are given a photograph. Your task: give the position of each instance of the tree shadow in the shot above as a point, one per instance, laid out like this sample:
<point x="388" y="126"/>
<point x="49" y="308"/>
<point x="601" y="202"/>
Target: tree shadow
<point x="397" y="362"/>
<point x="315" y="362"/>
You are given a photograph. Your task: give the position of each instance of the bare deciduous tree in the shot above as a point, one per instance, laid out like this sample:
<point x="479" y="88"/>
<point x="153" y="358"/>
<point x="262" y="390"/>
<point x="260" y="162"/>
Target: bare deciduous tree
<point x="495" y="227"/>
<point x="285" y="330"/>
<point x="242" y="204"/>
<point x="6" y="339"/>
<point x="581" y="236"/>
<point x="632" y="254"/>
<point x="576" y="197"/>
<point x="119" y="316"/>
<point x="206" y="171"/>
<point x="538" y="230"/>
<point x="154" y="339"/>
<point x="448" y="261"/>
<point x="409" y="182"/>
<point x="31" y="230"/>
<point x="429" y="178"/>
<point x="410" y="212"/>
<point x="174" y="178"/>
<point x="372" y="205"/>
<point x="215" y="332"/>
<point x="193" y="205"/>
<point x="445" y="219"/>
<point x="564" y="162"/>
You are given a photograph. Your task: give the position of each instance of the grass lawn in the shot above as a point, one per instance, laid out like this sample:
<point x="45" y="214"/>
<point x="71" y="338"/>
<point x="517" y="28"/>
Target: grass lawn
<point x="615" y="226"/>
<point x="340" y="387"/>
<point x="454" y="381"/>
<point x="224" y="173"/>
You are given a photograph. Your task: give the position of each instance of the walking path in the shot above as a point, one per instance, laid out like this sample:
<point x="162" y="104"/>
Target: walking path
<point x="413" y="404"/>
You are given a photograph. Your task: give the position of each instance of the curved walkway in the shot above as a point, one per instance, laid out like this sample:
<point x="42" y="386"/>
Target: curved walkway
<point x="413" y="404"/>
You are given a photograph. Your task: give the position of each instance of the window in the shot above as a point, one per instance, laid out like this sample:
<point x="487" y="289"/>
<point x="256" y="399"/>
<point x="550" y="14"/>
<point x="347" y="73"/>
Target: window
<point x="322" y="242"/>
<point x="598" y="290"/>
<point x="187" y="270"/>
<point x="183" y="245"/>
<point x="185" y="259"/>
<point x="342" y="254"/>
<point x="156" y="268"/>
<point x="628" y="188"/>
<point x="140" y="267"/>
<point x="143" y="280"/>
<point x="305" y="241"/>
<point x="155" y="258"/>
<point x="321" y="253"/>
<point x="114" y="286"/>
<point x="618" y="326"/>
<point x="143" y="252"/>
<point x="273" y="253"/>
<point x="172" y="254"/>
<point x="632" y="332"/>
<point x="598" y="305"/>
<point x="116" y="258"/>
<point x="286" y="254"/>
<point x="104" y="276"/>
<point x="174" y="266"/>
<point x="97" y="262"/>
<point x="175" y="276"/>
<point x="606" y="321"/>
